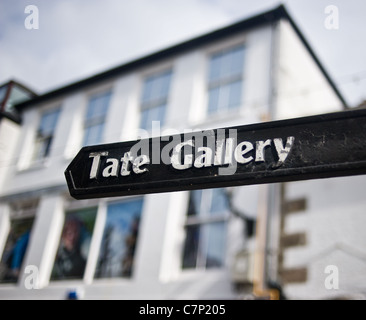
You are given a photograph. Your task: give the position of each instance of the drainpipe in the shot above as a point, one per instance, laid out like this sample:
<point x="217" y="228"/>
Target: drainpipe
<point x="266" y="196"/>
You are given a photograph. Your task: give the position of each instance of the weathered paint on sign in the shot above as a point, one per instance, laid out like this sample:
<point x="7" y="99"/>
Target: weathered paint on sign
<point x="320" y="146"/>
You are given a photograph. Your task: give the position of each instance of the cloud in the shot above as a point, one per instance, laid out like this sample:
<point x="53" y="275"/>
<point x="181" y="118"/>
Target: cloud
<point x="77" y="39"/>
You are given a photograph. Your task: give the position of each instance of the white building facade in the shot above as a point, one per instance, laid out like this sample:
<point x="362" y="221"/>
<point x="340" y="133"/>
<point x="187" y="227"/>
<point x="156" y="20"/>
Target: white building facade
<point x="178" y="245"/>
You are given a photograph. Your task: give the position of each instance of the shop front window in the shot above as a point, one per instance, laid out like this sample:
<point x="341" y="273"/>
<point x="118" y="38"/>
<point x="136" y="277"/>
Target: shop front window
<point x="117" y="250"/>
<point x="73" y="250"/>
<point x="15" y="249"/>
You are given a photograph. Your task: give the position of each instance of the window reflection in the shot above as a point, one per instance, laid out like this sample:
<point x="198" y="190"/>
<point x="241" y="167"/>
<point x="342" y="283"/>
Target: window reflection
<point x="74" y="245"/>
<point x="117" y="251"/>
<point x="15" y="249"/>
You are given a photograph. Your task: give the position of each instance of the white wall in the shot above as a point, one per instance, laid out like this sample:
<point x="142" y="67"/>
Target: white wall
<point x="300" y="88"/>
<point x="334" y="218"/>
<point x="334" y="222"/>
<point x="9" y="133"/>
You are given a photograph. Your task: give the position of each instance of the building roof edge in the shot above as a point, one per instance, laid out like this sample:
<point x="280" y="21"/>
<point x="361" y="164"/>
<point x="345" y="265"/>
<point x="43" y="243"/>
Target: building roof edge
<point x="242" y="25"/>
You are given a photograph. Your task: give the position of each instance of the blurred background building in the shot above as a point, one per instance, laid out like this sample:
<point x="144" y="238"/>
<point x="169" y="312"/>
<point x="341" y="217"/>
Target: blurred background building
<point x="243" y="242"/>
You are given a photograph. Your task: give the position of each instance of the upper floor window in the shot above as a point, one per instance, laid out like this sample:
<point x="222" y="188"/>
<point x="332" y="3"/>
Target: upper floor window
<point x="154" y="99"/>
<point x="225" y="80"/>
<point x="45" y="134"/>
<point x="95" y="118"/>
<point x="206" y="224"/>
<point x="11" y="94"/>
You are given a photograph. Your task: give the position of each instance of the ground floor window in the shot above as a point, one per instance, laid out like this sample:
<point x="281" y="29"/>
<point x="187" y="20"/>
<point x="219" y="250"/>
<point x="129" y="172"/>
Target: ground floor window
<point x="117" y="250"/>
<point x="15" y="249"/>
<point x="74" y="244"/>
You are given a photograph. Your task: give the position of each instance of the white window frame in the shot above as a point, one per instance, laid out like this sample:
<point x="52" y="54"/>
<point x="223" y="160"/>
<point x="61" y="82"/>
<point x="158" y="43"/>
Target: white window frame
<point x="202" y="220"/>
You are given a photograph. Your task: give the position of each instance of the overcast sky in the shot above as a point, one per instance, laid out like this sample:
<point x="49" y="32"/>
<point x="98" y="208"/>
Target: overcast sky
<point x="78" y="38"/>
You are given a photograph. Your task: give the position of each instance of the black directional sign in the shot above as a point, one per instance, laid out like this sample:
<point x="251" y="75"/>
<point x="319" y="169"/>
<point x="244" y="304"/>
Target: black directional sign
<point x="320" y="146"/>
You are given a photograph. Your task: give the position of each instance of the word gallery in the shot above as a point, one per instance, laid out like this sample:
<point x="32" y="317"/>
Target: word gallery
<point x="188" y="154"/>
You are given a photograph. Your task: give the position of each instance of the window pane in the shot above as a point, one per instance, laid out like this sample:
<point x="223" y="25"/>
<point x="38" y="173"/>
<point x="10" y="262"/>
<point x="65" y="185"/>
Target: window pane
<point x="235" y="61"/>
<point x="205" y="235"/>
<point x="161" y="114"/>
<point x="190" y="252"/>
<point x="165" y="84"/>
<point x="234" y="94"/>
<point x="219" y="202"/>
<point x="42" y="148"/>
<point x="225" y="69"/>
<point x="17" y="95"/>
<point x="213" y="100"/>
<point x="15" y="249"/>
<point x="215" y="244"/>
<point x="152" y="114"/>
<point x="95" y="118"/>
<point x="45" y="134"/>
<point x="156" y="87"/>
<point x="195" y="203"/>
<point x="74" y="245"/>
<point x="225" y="80"/>
<point x="116" y="255"/>
<point x="3" y="91"/>
<point x="98" y="106"/>
<point x="154" y="99"/>
<point x="93" y="134"/>
<point x="48" y="122"/>
<point x="147" y="89"/>
<point x="224" y="97"/>
<point x="145" y="119"/>
<point x="215" y="64"/>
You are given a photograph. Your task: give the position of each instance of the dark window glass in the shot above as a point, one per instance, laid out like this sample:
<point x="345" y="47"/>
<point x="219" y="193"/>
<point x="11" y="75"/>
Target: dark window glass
<point x="15" y="249"/>
<point x="73" y="249"/>
<point x="45" y="134"/>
